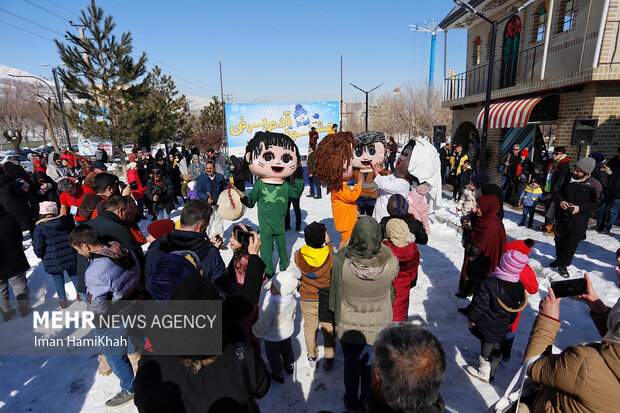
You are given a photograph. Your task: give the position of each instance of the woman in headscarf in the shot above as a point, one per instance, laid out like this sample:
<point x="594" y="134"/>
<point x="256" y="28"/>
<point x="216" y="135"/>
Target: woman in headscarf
<point x="56" y="170"/>
<point x="196" y="168"/>
<point x="46" y="188"/>
<point x="362" y="275"/>
<point x="14" y="202"/>
<point x="26" y="184"/>
<point x="239" y="172"/>
<point x="484" y="245"/>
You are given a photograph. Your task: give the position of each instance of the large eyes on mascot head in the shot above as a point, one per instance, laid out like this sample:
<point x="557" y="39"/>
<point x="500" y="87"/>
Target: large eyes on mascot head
<point x="369" y="150"/>
<point x="272" y="156"/>
<point x="402" y="165"/>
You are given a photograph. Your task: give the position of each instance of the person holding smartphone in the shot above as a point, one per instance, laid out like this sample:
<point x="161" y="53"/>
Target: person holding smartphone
<point x="584" y="377"/>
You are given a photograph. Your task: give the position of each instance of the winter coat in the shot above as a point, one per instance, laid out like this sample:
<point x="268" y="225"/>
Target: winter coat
<point x="469" y="201"/>
<point x="50" y="242"/>
<point x="466" y="177"/>
<point x="415" y="227"/>
<point x="456" y="163"/>
<point x="530" y="282"/>
<point x="418" y="207"/>
<point x="12" y="254"/>
<point x="586" y="194"/>
<point x="166" y="193"/>
<point x="366" y="304"/>
<point x="523" y="167"/>
<point x="582" y="379"/>
<point x="57" y="172"/>
<point x="493" y="189"/>
<point x="179" y="240"/>
<point x="14" y="203"/>
<point x="310" y="164"/>
<point x="113" y="274"/>
<point x="276" y="317"/>
<point x="196" y="169"/>
<point x="408" y="260"/>
<point x="557" y="175"/>
<point x="51" y="190"/>
<point x="495" y="307"/>
<point x="531" y="196"/>
<point x="613" y="186"/>
<point x="600" y="174"/>
<point x="513" y="160"/>
<point x="164" y="385"/>
<point x="315" y="265"/>
<point x="205" y="186"/>
<point x="132" y="176"/>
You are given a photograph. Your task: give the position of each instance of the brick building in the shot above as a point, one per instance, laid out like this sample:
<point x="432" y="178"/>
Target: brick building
<point x="555" y="62"/>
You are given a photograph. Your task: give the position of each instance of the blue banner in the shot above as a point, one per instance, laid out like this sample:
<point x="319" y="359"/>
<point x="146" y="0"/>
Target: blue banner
<point x="243" y="120"/>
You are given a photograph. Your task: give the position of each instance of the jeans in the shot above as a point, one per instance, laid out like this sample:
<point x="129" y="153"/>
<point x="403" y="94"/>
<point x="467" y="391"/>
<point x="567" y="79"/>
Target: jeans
<point x="59" y="282"/>
<point x="528" y="210"/>
<point x="163" y="214"/>
<point x="357" y="360"/>
<point x="19" y="283"/>
<point x="315" y="186"/>
<point x="116" y="356"/>
<point x="613" y="206"/>
<point x="365" y="206"/>
<point x="279" y="353"/>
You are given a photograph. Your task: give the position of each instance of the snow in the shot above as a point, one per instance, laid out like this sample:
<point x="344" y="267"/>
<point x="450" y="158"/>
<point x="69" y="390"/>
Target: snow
<point x="71" y="383"/>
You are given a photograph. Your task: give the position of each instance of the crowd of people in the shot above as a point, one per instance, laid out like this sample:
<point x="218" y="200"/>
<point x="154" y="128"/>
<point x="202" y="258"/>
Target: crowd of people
<point x="83" y="221"/>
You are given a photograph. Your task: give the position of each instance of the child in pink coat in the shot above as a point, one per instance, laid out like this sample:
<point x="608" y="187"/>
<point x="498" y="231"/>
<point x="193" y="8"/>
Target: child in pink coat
<point x="418" y="206"/>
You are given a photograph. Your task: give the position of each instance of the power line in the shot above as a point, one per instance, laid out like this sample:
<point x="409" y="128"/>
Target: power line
<point x="31" y="21"/>
<point x="46" y="10"/>
<point x="65" y="9"/>
<point x="178" y="71"/>
<point x="27" y="31"/>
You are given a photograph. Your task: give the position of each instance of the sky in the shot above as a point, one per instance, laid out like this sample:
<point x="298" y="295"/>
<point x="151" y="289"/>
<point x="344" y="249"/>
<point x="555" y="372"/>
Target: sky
<point x="273" y="51"/>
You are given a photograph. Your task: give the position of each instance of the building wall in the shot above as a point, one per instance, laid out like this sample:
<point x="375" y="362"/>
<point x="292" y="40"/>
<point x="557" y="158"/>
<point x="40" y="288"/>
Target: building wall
<point x="612" y="27"/>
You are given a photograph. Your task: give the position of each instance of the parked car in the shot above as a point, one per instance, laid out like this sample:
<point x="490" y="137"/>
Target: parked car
<point x="17" y="159"/>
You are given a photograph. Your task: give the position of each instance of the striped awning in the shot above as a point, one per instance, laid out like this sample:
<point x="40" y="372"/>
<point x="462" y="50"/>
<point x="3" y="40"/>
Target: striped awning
<point x="509" y="114"/>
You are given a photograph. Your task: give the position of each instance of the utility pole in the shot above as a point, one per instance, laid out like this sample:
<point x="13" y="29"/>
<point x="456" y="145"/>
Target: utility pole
<point x="366" y="93"/>
<point x="61" y="105"/>
<point x="341" y="93"/>
<point x="223" y="108"/>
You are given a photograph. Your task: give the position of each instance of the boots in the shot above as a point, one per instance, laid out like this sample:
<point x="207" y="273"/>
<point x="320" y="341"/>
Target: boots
<point x="483" y="373"/>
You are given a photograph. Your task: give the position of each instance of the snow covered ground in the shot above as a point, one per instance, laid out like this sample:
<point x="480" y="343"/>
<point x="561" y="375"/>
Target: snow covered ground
<point x="71" y="384"/>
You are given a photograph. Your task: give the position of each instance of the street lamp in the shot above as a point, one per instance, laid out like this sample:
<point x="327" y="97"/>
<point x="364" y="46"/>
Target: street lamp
<point x="487" y="101"/>
<point x="366" y="93"/>
<point x="61" y="104"/>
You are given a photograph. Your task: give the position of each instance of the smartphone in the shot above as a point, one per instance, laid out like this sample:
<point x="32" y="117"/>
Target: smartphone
<point x="243" y="237"/>
<point x="569" y="288"/>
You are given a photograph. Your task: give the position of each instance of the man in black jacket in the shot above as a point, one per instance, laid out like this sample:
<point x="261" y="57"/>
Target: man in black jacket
<point x="509" y="163"/>
<point x="575" y="201"/>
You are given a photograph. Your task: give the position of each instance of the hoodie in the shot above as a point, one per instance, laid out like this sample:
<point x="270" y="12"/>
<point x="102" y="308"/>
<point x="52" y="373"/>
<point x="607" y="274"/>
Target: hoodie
<point x="315" y="265"/>
<point x="50" y="242"/>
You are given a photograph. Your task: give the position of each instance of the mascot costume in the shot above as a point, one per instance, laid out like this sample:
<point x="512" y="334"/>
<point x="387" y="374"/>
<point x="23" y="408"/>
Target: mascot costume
<point x="273" y="157"/>
<point x="334" y="168"/>
<point x="369" y="150"/>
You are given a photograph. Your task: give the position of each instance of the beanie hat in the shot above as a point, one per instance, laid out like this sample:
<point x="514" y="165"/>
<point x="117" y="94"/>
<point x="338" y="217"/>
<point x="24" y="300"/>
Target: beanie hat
<point x="480" y="179"/>
<point x="65" y="185"/>
<point x="525" y="152"/>
<point x="397" y="206"/>
<point x="586" y="165"/>
<point x="159" y="228"/>
<point x="397" y="231"/>
<point x="559" y="149"/>
<point x="48" y="207"/>
<point x="170" y="269"/>
<point x="191" y="185"/>
<point x="510" y="266"/>
<point x="524" y="247"/>
<point x="314" y="234"/>
<point x="597" y="156"/>
<point x="286" y="282"/>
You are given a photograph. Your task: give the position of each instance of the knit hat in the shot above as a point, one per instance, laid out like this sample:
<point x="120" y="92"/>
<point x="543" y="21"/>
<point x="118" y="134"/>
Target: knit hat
<point x="586" y="165"/>
<point x="397" y="231"/>
<point x="170" y="269"/>
<point x="286" y="282"/>
<point x="480" y="179"/>
<point x="159" y="228"/>
<point x="132" y="165"/>
<point x="191" y="185"/>
<point x="48" y="207"/>
<point x="314" y="234"/>
<point x="65" y="185"/>
<point x="524" y="247"/>
<point x="397" y="206"/>
<point x="597" y="156"/>
<point x="525" y="152"/>
<point x="510" y="266"/>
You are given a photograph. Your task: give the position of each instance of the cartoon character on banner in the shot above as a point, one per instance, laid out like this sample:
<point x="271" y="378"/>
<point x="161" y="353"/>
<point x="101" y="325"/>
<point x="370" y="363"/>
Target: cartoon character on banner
<point x="369" y="149"/>
<point x="334" y="168"/>
<point x="273" y="157"/>
<point x="301" y="116"/>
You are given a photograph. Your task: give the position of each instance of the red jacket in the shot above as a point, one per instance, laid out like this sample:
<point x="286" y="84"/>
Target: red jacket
<point x="70" y="159"/>
<point x="530" y="282"/>
<point x="132" y="176"/>
<point x="408" y="259"/>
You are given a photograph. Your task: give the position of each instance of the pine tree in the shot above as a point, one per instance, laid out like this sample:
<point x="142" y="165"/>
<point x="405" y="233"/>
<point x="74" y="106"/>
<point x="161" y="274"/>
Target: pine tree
<point x="103" y="82"/>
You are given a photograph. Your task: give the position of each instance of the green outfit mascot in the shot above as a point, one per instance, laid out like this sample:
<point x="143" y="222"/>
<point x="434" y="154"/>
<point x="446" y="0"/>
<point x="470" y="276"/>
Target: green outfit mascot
<point x="273" y="157"/>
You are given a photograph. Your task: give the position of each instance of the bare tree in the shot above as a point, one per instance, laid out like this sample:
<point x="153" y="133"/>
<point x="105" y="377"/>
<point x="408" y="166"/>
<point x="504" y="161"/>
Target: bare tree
<point x="18" y="112"/>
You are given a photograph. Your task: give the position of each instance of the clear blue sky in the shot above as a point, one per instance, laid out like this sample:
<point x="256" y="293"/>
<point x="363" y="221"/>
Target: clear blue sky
<point x="271" y="50"/>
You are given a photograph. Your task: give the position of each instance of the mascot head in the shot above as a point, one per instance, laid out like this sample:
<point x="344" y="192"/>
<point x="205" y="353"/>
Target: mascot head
<point x="369" y="150"/>
<point x="334" y="160"/>
<point x="272" y="156"/>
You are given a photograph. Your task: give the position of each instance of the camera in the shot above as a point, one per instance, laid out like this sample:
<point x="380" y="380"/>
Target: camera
<point x="570" y="210"/>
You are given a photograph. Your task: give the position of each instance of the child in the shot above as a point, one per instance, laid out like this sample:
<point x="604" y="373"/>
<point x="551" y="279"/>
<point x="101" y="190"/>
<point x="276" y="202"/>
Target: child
<point x="275" y="323"/>
<point x="50" y="242"/>
<point x="530" y="282"/>
<point x="314" y="260"/>
<point x="466" y="175"/>
<point x="529" y="199"/>
<point x="113" y="274"/>
<point x="418" y="207"/>
<point x="469" y="200"/>
<point x="402" y="244"/>
<point x="192" y="192"/>
<point x="495" y="306"/>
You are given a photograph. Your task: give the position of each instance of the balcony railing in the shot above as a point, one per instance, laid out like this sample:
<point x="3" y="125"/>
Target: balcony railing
<point x="523" y="67"/>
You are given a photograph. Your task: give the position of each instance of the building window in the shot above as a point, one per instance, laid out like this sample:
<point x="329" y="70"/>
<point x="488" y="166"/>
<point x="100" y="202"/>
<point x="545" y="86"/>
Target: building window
<point x="477" y="50"/>
<point x="541" y="22"/>
<point x="569" y="14"/>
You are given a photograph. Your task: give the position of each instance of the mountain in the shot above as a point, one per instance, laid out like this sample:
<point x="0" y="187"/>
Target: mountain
<point x="5" y="78"/>
<point x="197" y="102"/>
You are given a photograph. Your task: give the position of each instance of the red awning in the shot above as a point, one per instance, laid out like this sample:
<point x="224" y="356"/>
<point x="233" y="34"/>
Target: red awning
<point x="509" y="114"/>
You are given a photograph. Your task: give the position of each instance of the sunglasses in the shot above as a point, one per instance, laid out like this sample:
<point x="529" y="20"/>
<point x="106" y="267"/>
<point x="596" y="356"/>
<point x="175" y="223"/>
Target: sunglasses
<point x="557" y="153"/>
